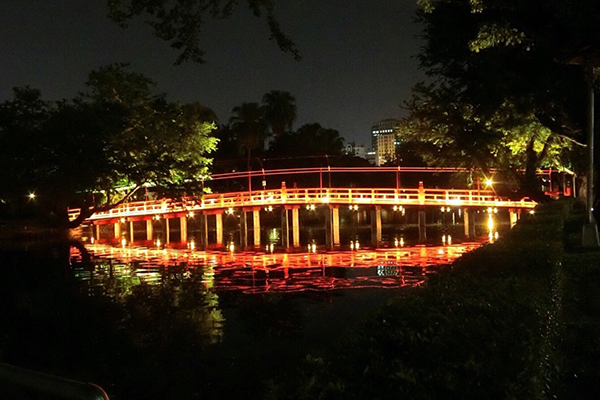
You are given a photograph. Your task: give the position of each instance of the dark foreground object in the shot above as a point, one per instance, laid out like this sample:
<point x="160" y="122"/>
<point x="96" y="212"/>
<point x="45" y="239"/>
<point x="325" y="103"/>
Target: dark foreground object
<point x="21" y="383"/>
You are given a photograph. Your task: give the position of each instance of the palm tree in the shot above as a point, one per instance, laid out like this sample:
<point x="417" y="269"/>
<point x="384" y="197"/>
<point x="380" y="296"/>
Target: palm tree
<point x="332" y="142"/>
<point x="318" y="140"/>
<point x="250" y="127"/>
<point x="280" y="111"/>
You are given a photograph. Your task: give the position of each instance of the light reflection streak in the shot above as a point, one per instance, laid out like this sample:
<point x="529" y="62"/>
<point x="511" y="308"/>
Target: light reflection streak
<point x="252" y="272"/>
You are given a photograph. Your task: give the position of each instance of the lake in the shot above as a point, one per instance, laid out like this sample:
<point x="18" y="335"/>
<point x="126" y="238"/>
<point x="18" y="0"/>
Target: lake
<point x="168" y="323"/>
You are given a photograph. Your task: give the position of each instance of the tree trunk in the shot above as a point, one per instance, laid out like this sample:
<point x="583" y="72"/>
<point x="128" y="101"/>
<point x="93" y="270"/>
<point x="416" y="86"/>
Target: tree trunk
<point x="530" y="184"/>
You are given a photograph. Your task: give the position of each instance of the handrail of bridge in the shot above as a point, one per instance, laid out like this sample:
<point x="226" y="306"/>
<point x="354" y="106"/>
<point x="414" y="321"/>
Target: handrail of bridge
<point x="307" y="196"/>
<point x="311" y="170"/>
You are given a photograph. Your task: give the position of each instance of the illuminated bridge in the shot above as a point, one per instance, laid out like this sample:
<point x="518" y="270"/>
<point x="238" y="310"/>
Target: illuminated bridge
<point x="249" y="204"/>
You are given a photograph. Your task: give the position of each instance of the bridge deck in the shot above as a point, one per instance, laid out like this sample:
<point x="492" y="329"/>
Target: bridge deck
<point x="308" y="196"/>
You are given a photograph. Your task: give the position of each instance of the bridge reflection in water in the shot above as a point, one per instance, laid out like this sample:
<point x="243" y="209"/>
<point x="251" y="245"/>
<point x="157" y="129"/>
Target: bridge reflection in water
<point x="250" y="272"/>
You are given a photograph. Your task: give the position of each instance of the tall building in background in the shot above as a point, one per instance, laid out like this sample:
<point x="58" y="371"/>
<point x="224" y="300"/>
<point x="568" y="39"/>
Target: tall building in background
<point x="383" y="140"/>
<point x="386" y="148"/>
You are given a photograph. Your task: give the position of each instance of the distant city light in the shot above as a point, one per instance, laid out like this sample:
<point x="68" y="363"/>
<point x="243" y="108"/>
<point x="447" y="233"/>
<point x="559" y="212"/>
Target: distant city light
<point x="32" y="196"/>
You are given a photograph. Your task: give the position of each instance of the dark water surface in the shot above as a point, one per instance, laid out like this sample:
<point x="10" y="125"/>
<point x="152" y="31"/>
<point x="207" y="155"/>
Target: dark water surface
<point x="151" y="323"/>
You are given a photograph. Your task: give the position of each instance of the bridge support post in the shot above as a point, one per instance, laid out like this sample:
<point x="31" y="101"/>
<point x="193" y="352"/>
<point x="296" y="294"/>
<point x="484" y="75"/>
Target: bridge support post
<point x="204" y="231"/>
<point x="469" y="222"/>
<point x="183" y="228"/>
<point x="285" y="228"/>
<point x="422" y="222"/>
<point x="167" y="231"/>
<point x="295" y="227"/>
<point x="333" y="226"/>
<point x="243" y="230"/>
<point x="97" y="226"/>
<point x="131" y="232"/>
<point x="376" y="226"/>
<point x="256" y="227"/>
<point x="219" y="227"/>
<point x="149" y="230"/>
<point x="118" y="230"/>
<point x="514" y="216"/>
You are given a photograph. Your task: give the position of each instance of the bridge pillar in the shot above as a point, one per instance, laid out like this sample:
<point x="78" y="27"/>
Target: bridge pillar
<point x="422" y="222"/>
<point x="118" y="230"/>
<point x="131" y="234"/>
<point x="183" y="228"/>
<point x="285" y="228"/>
<point x="204" y="231"/>
<point x="167" y="231"/>
<point x="97" y="226"/>
<point x="514" y="216"/>
<point x="376" y="226"/>
<point x="243" y="230"/>
<point x="149" y="230"/>
<point x="219" y="227"/>
<point x="469" y="222"/>
<point x="295" y="227"/>
<point x="333" y="226"/>
<point x="256" y="227"/>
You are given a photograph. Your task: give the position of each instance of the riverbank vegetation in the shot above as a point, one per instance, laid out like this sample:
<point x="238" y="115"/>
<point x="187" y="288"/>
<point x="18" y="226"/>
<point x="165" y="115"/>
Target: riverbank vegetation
<point x="116" y="135"/>
<point x="510" y="320"/>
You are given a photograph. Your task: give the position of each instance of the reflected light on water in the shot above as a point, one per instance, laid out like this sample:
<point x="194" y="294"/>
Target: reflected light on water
<point x="252" y="272"/>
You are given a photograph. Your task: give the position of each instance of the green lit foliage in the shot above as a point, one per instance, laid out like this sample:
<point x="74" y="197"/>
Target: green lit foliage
<point x="180" y="22"/>
<point x="158" y="142"/>
<point x="453" y="133"/>
<point x="117" y="133"/>
<point x="502" y="91"/>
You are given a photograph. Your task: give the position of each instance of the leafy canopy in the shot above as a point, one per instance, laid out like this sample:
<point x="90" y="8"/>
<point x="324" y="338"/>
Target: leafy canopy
<point x="180" y="22"/>
<point x="503" y="91"/>
<point x="117" y="133"/>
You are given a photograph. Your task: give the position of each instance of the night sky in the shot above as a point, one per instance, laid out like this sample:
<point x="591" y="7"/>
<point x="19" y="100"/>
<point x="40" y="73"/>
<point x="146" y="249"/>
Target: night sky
<point x="358" y="57"/>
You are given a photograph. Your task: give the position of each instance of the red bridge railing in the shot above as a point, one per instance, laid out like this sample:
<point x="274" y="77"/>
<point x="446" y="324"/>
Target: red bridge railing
<point x="308" y="196"/>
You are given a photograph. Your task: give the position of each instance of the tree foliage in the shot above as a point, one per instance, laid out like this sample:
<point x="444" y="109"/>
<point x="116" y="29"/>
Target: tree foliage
<point x="503" y="91"/>
<point x="309" y="140"/>
<point x="250" y="127"/>
<point x="115" y="134"/>
<point x="265" y="130"/>
<point x="280" y="111"/>
<point x="180" y="22"/>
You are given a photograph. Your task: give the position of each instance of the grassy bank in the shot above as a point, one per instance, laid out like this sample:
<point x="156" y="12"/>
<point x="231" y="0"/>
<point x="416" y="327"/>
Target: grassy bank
<point x="513" y="320"/>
